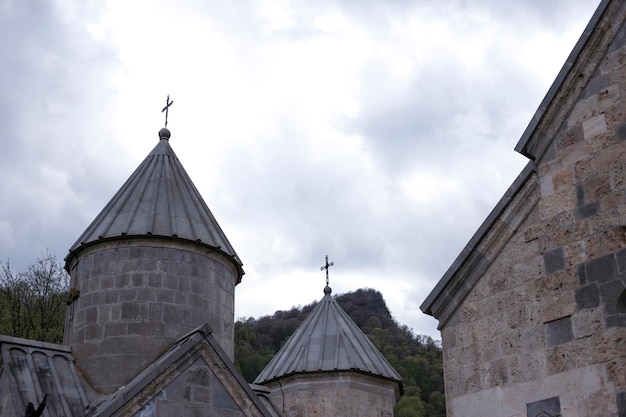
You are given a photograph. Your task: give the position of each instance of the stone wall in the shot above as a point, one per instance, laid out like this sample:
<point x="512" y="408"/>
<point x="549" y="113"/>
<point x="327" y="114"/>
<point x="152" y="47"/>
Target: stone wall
<point x="137" y="297"/>
<point x="196" y="392"/>
<point x="545" y="327"/>
<point x="334" y="394"/>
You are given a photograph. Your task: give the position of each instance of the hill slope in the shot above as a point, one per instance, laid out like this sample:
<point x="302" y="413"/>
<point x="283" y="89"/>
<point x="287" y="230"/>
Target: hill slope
<point x="417" y="358"/>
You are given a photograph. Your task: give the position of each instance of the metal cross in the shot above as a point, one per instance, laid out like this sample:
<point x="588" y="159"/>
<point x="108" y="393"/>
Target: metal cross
<point x="166" y="109"/>
<point x="325" y="267"/>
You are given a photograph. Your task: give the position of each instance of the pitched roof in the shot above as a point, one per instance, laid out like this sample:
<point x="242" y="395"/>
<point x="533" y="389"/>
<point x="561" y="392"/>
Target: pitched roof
<point x="197" y="347"/>
<point x="263" y="394"/>
<point x="570" y="82"/>
<point x="535" y="142"/>
<point x="31" y="370"/>
<point x="158" y="200"/>
<point x="486" y="244"/>
<point x="328" y="341"/>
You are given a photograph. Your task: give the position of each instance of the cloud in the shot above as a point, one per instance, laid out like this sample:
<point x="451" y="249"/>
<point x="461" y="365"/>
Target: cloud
<point x="379" y="133"/>
<point x="51" y="94"/>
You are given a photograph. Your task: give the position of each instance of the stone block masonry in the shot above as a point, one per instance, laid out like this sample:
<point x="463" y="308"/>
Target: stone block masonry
<point x="342" y="394"/>
<point x="544" y="328"/>
<point x="138" y="296"/>
<point x="196" y="392"/>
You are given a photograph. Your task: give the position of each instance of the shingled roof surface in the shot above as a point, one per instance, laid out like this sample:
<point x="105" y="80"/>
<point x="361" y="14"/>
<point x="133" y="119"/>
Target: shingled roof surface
<point x="31" y="370"/>
<point x="155" y="378"/>
<point x="158" y="200"/>
<point x="328" y="341"/>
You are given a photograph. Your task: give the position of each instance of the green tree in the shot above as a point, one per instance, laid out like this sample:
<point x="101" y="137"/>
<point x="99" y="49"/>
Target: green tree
<point x="418" y="359"/>
<point x="32" y="302"/>
<point x="410" y="404"/>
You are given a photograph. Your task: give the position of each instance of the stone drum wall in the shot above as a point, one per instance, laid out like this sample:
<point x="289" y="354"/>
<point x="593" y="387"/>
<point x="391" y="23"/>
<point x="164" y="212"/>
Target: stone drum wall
<point x="341" y="394"/>
<point x="137" y="297"/>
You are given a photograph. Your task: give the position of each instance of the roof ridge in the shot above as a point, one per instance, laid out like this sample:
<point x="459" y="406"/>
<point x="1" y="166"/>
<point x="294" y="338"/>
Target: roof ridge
<point x="327" y="340"/>
<point x="159" y="199"/>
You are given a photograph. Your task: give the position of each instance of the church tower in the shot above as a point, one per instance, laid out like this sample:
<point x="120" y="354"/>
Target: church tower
<point x="152" y="266"/>
<point x="330" y="368"/>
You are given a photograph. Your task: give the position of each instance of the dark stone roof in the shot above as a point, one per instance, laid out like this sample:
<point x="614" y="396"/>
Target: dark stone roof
<point x="159" y="200"/>
<point x="197" y="345"/>
<point x="31" y="369"/>
<point x="328" y="341"/>
<point x="262" y="394"/>
<point x="570" y="80"/>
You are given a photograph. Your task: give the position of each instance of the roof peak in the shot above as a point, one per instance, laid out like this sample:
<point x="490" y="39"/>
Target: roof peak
<point x="328" y="340"/>
<point x="165" y="134"/>
<point x="158" y="200"/>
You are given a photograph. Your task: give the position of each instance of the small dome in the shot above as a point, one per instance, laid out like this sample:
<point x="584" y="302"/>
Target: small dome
<point x="328" y="341"/>
<point x="164" y="133"/>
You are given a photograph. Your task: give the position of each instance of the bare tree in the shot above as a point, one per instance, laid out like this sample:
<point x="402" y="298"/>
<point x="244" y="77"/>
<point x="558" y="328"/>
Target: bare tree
<point x="32" y="302"/>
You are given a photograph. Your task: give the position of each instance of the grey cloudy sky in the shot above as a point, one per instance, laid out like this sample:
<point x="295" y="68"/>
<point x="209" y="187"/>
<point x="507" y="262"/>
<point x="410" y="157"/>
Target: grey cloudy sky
<point x="380" y="133"/>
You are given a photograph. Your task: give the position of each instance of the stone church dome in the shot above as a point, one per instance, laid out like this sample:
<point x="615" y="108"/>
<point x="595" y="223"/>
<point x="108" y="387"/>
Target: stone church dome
<point x="153" y="266"/>
<point x="158" y="200"/>
<point x="328" y="341"/>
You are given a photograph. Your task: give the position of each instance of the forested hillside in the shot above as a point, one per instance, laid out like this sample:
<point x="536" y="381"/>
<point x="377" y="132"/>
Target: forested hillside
<point x="417" y="358"/>
<point x="32" y="305"/>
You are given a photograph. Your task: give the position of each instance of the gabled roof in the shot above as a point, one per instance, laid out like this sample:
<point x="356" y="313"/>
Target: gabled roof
<point x="328" y="341"/>
<point x="482" y="249"/>
<point x="263" y="394"/>
<point x="31" y="370"/>
<point x="158" y="200"/>
<point x="535" y="143"/>
<point x="197" y="348"/>
<point x="572" y="79"/>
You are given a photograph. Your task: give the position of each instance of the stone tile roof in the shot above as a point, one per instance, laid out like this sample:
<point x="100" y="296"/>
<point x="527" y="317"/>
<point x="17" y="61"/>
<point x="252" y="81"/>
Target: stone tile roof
<point x="197" y="345"/>
<point x="478" y="254"/>
<point x="158" y="200"/>
<point x="328" y="341"/>
<point x="263" y="393"/>
<point x="571" y="80"/>
<point x="31" y="370"/>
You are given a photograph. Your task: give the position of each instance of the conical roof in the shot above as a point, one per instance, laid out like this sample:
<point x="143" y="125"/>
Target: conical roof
<point x="328" y="341"/>
<point x="158" y="200"/>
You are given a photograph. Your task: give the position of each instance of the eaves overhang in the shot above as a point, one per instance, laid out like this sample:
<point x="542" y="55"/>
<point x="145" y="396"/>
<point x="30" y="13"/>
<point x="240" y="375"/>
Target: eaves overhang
<point x="399" y="383"/>
<point x="572" y="79"/>
<point x="159" y="200"/>
<point x="73" y="253"/>
<point x="484" y="246"/>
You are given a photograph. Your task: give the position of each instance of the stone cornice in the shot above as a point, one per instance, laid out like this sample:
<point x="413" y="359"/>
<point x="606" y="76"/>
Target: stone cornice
<point x="574" y="76"/>
<point x="484" y="247"/>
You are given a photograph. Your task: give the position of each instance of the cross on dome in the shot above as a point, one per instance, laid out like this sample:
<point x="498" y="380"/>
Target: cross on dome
<point x="166" y="109"/>
<point x="325" y="267"/>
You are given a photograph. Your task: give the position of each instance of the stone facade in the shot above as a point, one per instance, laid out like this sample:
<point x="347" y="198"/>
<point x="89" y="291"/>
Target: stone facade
<point x="194" y="378"/>
<point x="138" y="296"/>
<point x="533" y="317"/>
<point x="193" y="393"/>
<point x="338" y="394"/>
